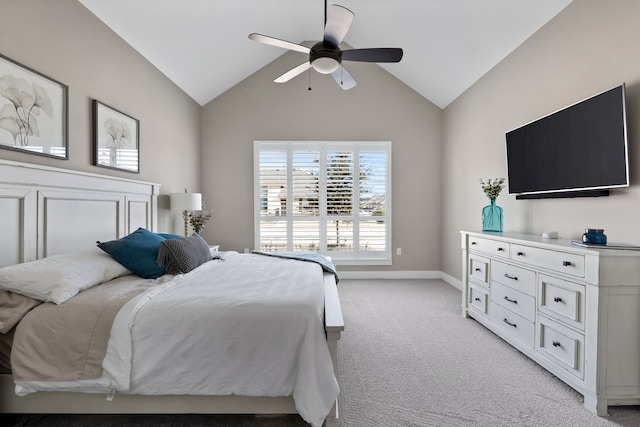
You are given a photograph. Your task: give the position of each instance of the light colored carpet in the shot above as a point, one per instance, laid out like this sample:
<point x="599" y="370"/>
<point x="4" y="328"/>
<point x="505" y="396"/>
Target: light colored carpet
<point x="408" y="358"/>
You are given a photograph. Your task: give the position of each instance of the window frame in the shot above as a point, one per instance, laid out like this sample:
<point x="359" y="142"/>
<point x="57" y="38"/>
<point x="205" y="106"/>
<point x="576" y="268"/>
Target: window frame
<point x="355" y="256"/>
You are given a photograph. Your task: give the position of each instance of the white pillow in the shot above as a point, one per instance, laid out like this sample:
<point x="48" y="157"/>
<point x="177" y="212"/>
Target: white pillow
<point x="59" y="277"/>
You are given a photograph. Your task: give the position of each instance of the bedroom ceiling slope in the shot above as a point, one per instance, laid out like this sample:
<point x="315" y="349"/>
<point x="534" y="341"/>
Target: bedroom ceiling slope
<point x="203" y="46"/>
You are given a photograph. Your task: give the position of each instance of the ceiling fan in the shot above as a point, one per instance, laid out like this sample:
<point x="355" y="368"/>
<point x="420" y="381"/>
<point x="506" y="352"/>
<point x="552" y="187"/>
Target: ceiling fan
<point x="325" y="56"/>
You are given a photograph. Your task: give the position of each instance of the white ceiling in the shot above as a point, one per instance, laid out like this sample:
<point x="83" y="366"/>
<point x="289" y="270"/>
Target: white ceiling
<point x="202" y="45"/>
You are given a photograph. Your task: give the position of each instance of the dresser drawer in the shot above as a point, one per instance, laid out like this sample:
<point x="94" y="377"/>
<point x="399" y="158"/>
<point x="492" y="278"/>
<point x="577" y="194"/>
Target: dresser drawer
<point x="560" y="345"/>
<point x="561" y="300"/>
<point x="514" y="325"/>
<point x="493" y="247"/>
<point x="515" y="277"/>
<point x="479" y="299"/>
<point x="479" y="269"/>
<point x="520" y="303"/>
<point x="562" y="262"/>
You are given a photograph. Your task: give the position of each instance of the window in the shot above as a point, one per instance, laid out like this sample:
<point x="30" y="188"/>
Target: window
<point x="332" y="197"/>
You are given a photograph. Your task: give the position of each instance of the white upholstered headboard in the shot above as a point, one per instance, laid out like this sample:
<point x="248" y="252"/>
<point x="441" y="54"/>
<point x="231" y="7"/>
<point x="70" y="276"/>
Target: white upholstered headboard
<point x="45" y="210"/>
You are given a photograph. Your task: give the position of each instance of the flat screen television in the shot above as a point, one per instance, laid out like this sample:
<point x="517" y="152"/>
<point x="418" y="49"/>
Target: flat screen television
<point x="580" y="150"/>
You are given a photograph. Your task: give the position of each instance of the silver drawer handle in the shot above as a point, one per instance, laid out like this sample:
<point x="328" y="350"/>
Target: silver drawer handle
<point x="510" y="277"/>
<point x="510" y="300"/>
<point x="509" y="323"/>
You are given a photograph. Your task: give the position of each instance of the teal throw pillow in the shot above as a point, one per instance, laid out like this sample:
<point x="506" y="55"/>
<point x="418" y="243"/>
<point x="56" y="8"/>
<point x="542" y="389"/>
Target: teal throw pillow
<point x="137" y="251"/>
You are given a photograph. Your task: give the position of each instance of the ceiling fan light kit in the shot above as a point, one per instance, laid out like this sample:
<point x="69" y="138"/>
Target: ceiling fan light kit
<point x="325" y="56"/>
<point x="324" y="60"/>
<point x="325" y="65"/>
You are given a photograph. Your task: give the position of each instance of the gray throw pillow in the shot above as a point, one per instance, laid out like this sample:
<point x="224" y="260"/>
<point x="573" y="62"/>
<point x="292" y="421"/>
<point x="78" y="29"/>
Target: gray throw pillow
<point x="183" y="255"/>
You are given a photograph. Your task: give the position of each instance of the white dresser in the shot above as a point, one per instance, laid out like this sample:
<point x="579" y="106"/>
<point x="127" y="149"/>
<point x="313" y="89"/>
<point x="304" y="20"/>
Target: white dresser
<point x="575" y="311"/>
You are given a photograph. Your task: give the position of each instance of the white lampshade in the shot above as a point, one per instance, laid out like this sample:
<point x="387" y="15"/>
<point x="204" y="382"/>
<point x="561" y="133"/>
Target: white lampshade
<point x="186" y="201"/>
<point x="325" y="65"/>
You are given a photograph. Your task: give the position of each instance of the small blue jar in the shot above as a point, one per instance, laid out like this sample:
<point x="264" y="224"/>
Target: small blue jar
<point x="594" y="236"/>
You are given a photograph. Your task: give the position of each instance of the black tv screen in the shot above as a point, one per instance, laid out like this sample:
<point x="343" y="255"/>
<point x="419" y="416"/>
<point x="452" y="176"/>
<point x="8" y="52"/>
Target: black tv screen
<point x="581" y="147"/>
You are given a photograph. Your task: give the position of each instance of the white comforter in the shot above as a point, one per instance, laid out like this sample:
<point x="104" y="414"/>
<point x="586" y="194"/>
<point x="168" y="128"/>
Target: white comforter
<point x="250" y="325"/>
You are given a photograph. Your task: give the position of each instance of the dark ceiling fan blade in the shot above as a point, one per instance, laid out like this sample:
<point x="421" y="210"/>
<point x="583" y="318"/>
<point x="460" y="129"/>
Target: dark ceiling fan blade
<point x="338" y="22"/>
<point x="293" y="72"/>
<point x="343" y="78"/>
<point x="278" y="43"/>
<point x="379" y="54"/>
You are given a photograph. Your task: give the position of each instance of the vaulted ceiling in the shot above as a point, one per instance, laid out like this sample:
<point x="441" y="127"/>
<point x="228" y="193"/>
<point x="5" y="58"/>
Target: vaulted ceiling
<point x="203" y="45"/>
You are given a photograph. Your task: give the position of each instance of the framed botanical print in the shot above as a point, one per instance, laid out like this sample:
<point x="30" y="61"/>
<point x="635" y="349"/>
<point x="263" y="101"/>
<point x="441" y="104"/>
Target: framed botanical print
<point x="115" y="138"/>
<point x="33" y="111"/>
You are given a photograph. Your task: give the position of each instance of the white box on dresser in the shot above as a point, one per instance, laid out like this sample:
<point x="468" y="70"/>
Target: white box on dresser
<point x="573" y="310"/>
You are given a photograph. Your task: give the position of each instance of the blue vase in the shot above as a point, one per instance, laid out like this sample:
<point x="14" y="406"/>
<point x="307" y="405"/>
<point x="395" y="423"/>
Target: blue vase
<point x="492" y="218"/>
<point x="594" y="236"/>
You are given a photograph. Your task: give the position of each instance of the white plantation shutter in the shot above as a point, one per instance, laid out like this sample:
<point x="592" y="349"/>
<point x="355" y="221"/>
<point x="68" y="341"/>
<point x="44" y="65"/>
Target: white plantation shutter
<point x="373" y="200"/>
<point x="332" y="197"/>
<point x="305" y="198"/>
<point x="273" y="187"/>
<point x="340" y="179"/>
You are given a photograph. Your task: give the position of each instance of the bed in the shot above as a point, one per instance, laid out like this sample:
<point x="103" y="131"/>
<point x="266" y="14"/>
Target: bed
<point x="36" y="201"/>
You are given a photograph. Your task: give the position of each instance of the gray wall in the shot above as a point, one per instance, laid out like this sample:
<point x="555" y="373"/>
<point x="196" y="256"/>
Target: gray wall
<point x="589" y="47"/>
<point x="63" y="40"/>
<point x="380" y="107"/>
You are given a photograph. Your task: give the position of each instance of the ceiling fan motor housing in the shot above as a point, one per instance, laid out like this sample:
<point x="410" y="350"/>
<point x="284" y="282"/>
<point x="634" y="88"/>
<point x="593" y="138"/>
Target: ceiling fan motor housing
<point x="325" y="59"/>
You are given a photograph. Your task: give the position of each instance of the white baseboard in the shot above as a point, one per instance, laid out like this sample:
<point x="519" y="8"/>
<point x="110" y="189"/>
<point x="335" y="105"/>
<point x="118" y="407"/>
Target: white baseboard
<point x="452" y="281"/>
<point x="399" y="275"/>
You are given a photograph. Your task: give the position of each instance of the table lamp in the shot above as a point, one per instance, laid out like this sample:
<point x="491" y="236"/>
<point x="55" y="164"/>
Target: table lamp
<point x="185" y="202"/>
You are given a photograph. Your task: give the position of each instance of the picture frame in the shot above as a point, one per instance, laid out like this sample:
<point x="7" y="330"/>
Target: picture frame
<point x="116" y="139"/>
<point x="34" y="112"/>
